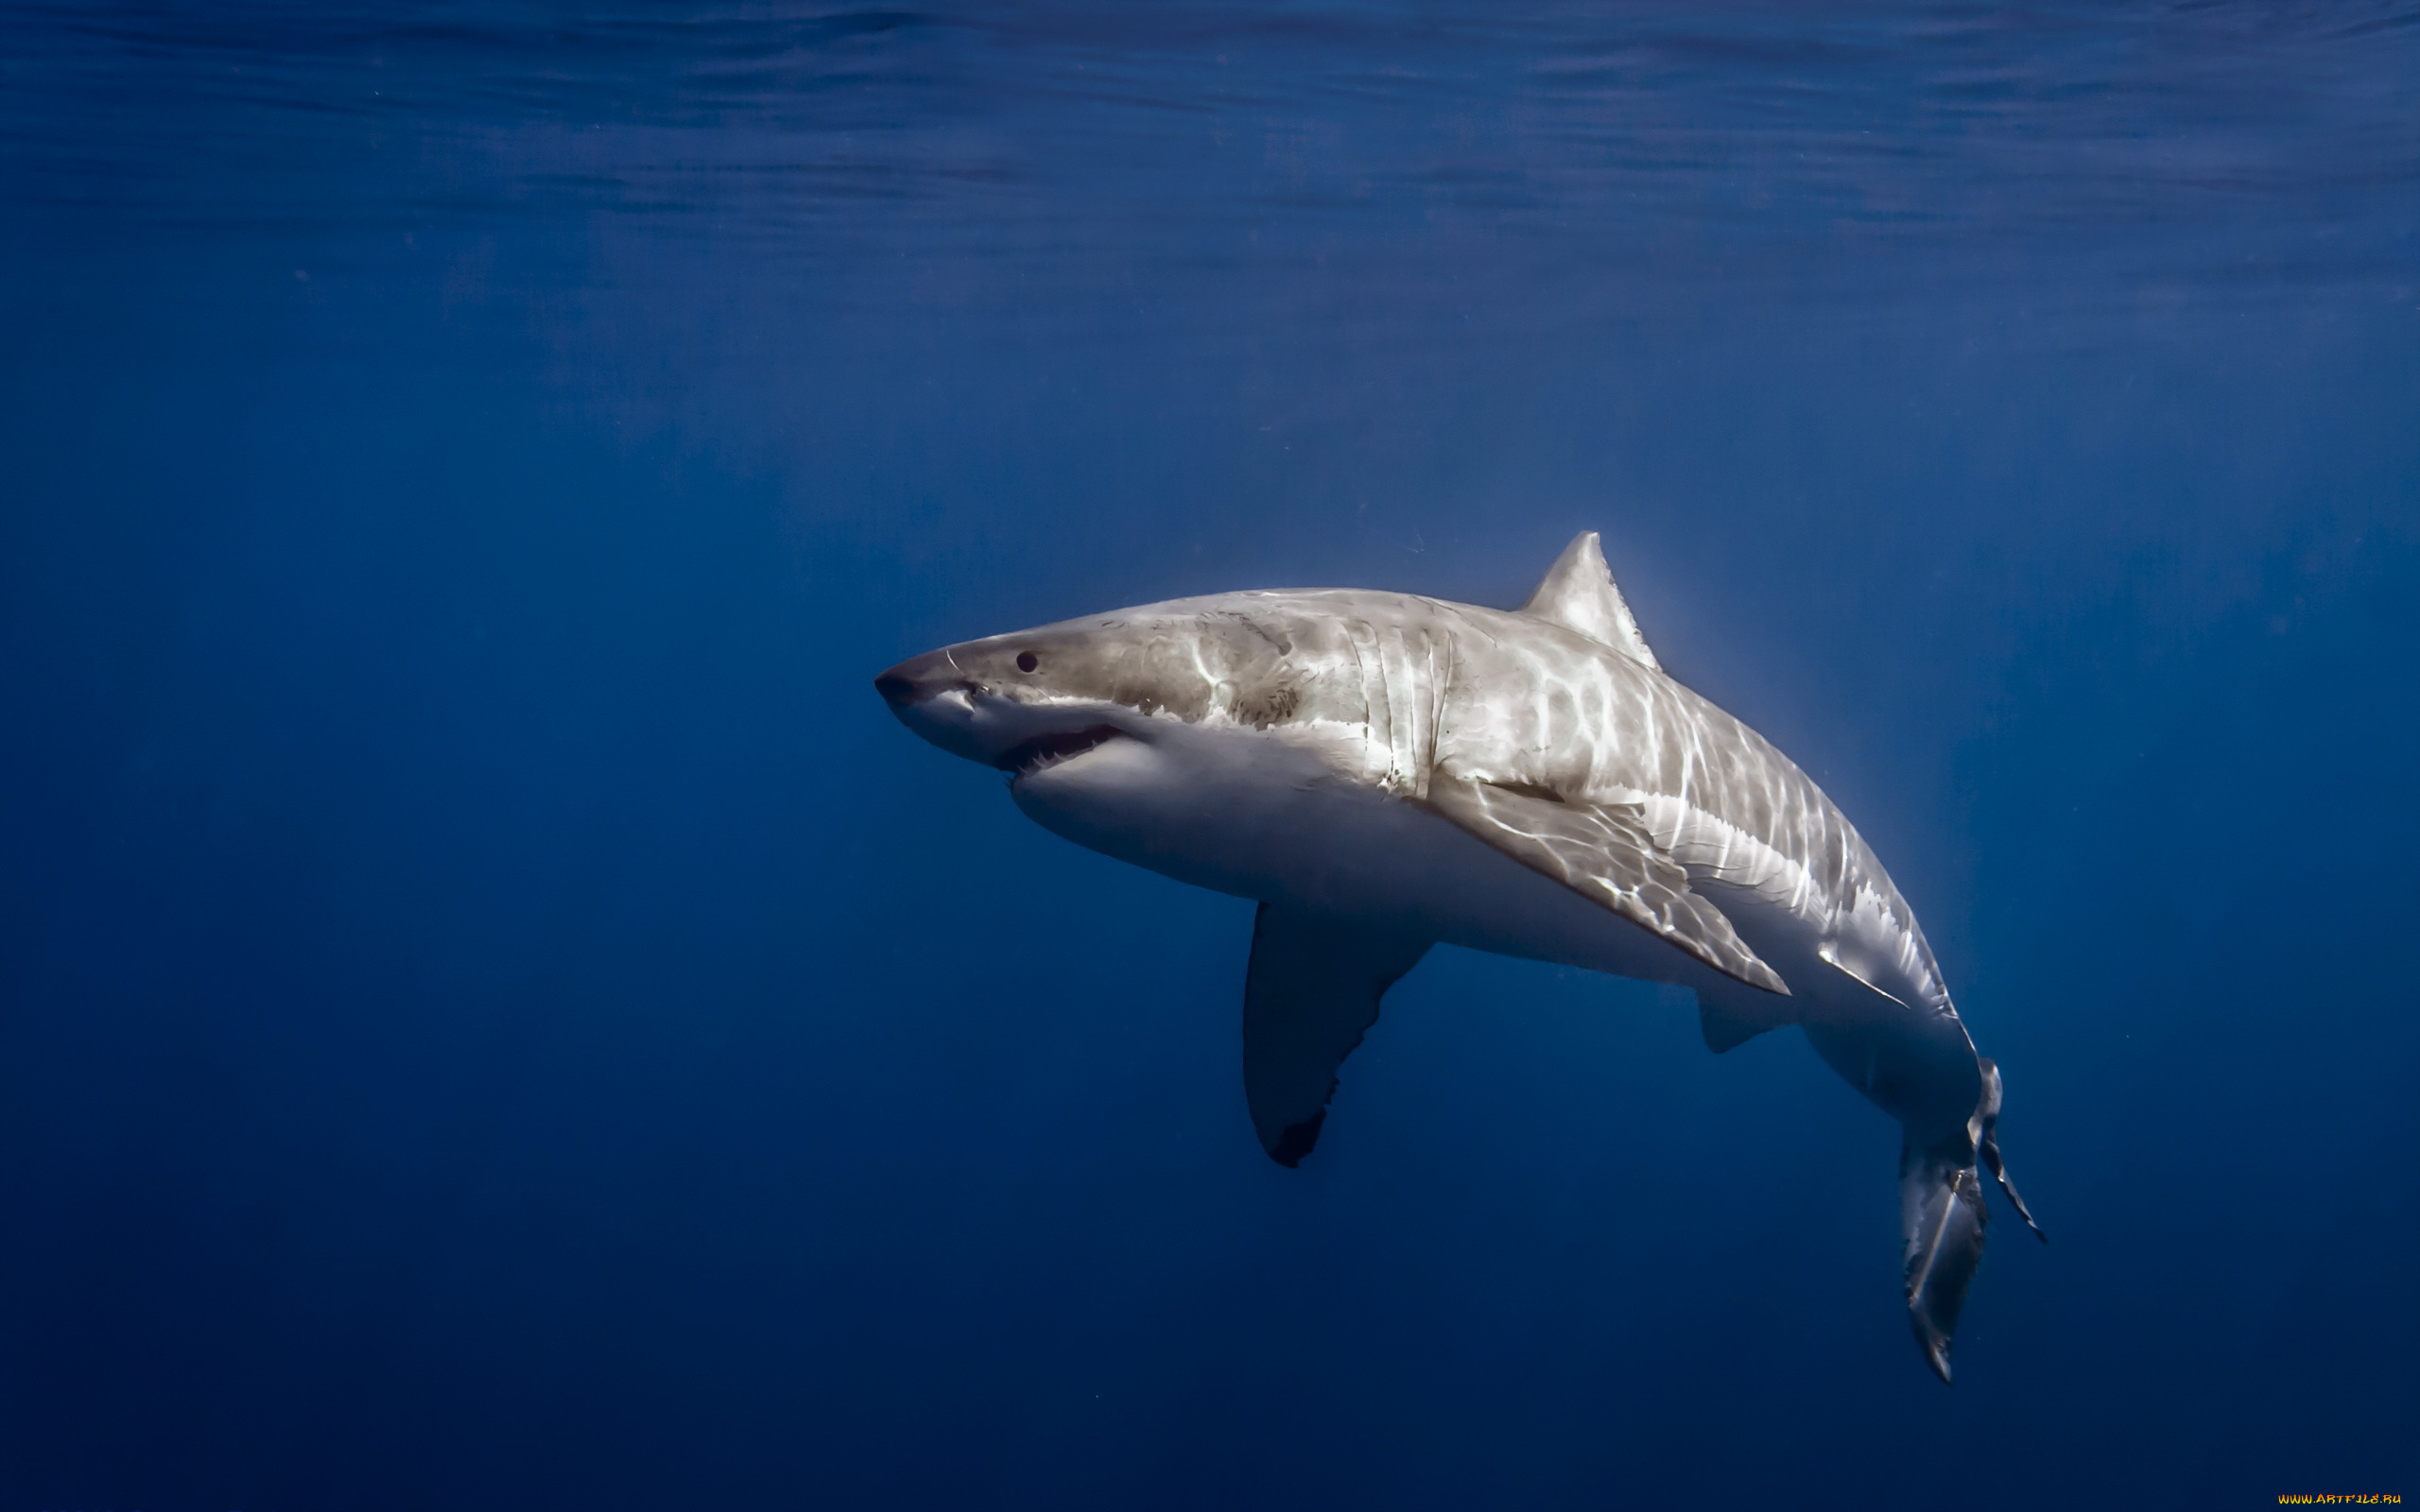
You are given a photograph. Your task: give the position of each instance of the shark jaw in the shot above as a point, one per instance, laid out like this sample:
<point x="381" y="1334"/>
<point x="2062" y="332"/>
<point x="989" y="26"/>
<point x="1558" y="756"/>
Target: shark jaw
<point x="1030" y="758"/>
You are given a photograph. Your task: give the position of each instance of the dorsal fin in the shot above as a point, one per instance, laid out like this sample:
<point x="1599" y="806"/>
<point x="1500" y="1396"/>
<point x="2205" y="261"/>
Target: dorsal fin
<point x="1578" y="594"/>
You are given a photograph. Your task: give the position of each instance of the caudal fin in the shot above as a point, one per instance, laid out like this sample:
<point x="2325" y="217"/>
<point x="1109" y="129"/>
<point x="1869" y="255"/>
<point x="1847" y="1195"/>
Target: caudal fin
<point x="1941" y="1214"/>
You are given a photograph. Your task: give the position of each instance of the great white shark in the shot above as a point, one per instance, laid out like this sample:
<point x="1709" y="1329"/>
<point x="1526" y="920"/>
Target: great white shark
<point x="1383" y="772"/>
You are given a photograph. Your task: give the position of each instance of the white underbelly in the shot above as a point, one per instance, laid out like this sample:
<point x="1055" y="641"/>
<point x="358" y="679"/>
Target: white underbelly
<point x="1259" y="818"/>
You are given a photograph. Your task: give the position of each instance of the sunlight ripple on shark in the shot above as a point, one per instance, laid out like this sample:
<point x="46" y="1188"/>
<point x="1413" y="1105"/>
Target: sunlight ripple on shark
<point x="1382" y="772"/>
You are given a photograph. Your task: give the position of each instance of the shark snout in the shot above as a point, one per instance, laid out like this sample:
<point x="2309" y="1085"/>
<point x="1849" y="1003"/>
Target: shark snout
<point x="920" y="678"/>
<point x="933" y="696"/>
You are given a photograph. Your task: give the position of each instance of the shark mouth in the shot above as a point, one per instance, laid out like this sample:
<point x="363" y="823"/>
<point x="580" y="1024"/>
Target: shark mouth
<point x="1044" y="751"/>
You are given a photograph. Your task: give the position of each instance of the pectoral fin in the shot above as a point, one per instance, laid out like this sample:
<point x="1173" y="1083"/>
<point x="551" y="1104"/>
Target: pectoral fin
<point x="1310" y="994"/>
<point x="1604" y="854"/>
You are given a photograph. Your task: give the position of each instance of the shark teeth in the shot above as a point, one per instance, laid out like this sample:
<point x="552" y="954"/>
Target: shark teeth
<point x="1051" y="749"/>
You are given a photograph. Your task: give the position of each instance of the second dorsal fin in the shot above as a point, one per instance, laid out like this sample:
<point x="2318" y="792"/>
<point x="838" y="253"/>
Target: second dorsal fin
<point x="1578" y="594"/>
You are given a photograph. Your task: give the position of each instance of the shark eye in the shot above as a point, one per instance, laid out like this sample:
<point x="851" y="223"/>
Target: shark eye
<point x="1026" y="661"/>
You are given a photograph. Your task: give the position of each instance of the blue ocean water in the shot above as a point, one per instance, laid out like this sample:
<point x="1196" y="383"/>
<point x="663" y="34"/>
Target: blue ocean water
<point x="497" y="1015"/>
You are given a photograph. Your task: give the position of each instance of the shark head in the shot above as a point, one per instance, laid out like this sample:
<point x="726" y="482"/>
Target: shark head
<point x="1177" y="737"/>
<point x="1037" y="703"/>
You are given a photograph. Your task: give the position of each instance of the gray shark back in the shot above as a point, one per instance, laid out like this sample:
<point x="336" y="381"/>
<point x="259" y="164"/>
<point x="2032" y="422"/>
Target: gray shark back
<point x="1409" y="695"/>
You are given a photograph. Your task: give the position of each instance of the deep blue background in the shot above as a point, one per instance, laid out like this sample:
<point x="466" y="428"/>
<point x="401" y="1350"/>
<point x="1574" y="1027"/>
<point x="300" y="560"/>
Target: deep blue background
<point x="497" y="1015"/>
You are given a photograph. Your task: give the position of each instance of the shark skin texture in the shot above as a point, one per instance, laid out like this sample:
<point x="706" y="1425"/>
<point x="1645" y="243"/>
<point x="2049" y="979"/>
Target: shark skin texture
<point x="1383" y="772"/>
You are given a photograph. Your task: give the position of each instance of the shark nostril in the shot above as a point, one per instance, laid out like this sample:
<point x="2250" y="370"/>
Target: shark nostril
<point x="893" y="687"/>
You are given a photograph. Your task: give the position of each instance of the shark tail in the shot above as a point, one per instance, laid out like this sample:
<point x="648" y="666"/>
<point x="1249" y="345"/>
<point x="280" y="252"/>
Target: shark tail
<point x="1941" y="1214"/>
